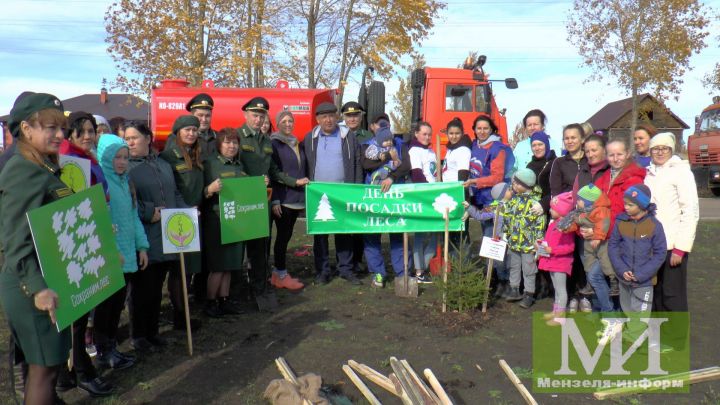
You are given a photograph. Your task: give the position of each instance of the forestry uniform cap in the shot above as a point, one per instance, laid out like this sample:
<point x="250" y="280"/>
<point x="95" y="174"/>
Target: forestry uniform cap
<point x="352" y="108"/>
<point x="202" y="100"/>
<point x="258" y="104"/>
<point x="28" y="104"/>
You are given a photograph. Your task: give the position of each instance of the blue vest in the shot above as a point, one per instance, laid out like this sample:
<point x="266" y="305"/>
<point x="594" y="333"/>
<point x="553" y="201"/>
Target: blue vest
<point x="480" y="161"/>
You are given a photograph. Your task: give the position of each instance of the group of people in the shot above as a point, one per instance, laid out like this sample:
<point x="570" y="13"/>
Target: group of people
<point x="597" y="221"/>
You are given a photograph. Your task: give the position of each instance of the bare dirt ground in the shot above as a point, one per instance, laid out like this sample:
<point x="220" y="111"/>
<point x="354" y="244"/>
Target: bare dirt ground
<point x="320" y="328"/>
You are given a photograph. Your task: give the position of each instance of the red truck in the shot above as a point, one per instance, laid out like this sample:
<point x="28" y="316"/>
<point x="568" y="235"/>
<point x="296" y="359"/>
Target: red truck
<point x="439" y="95"/>
<point x="167" y="102"/>
<point x="704" y="148"/>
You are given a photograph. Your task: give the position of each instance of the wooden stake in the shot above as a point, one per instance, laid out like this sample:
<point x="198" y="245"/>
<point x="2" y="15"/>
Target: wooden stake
<point x="288" y="374"/>
<point x="398" y="386"/>
<point x="374" y="376"/>
<point x="439" y="390"/>
<point x="488" y="276"/>
<point x="361" y="385"/>
<point x="517" y="383"/>
<point x="428" y="394"/>
<point x="412" y="391"/>
<point x="445" y="258"/>
<point x="185" y="302"/>
<point x="692" y="377"/>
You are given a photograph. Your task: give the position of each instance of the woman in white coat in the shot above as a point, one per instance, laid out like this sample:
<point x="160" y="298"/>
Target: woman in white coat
<point x="674" y="191"/>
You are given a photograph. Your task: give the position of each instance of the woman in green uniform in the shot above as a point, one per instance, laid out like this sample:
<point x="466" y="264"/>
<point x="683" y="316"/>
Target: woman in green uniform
<point x="31" y="179"/>
<point x="185" y="157"/>
<point x="222" y="259"/>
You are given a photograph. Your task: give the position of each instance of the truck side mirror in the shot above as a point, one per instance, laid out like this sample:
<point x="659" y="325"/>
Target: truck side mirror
<point x="511" y="83"/>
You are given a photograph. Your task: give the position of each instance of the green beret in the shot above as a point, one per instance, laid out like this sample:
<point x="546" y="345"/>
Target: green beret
<point x="202" y="100"/>
<point x="185" y="121"/>
<point x="28" y="105"/>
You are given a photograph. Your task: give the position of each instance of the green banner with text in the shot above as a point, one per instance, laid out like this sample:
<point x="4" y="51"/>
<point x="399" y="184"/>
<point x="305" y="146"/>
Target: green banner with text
<point x="243" y="209"/>
<point x="361" y="208"/>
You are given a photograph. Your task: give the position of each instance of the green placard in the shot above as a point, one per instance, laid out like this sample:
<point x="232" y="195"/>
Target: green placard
<point x="360" y="208"/>
<point x="243" y="209"/>
<point x="77" y="251"/>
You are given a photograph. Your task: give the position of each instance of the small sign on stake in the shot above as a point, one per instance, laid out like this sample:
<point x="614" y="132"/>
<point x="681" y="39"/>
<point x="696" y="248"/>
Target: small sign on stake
<point x="492" y="249"/>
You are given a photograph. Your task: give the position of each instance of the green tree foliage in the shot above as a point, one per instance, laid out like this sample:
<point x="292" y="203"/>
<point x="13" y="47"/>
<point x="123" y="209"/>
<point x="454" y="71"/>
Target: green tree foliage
<point x="641" y="45"/>
<point x="402" y="112"/>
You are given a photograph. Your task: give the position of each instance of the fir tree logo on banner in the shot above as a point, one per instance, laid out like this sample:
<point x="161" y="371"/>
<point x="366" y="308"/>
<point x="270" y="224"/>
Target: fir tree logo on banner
<point x="324" y="210"/>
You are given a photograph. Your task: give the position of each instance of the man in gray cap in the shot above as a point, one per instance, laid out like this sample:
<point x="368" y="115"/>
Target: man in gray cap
<point x="339" y="163"/>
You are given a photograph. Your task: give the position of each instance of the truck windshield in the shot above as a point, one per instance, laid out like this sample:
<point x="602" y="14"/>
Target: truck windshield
<point x="458" y="98"/>
<point x="710" y="120"/>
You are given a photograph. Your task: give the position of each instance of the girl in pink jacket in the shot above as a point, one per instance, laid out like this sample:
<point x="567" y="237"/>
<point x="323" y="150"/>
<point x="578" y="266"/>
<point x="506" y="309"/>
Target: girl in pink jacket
<point x="556" y="255"/>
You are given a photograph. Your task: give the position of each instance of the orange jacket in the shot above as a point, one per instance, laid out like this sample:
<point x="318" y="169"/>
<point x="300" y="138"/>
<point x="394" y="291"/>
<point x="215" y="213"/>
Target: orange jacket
<point x="598" y="219"/>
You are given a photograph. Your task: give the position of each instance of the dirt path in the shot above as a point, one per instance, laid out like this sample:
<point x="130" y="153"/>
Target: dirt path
<point x="322" y="327"/>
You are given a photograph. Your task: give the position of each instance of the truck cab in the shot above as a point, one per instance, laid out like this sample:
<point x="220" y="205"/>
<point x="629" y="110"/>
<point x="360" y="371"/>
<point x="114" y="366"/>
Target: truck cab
<point x="441" y="94"/>
<point x="704" y="147"/>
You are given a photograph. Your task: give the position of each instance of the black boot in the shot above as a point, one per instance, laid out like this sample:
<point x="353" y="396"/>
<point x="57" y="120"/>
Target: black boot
<point x="212" y="308"/>
<point x="513" y="294"/>
<point x="229" y="308"/>
<point x="500" y="289"/>
<point x="527" y="301"/>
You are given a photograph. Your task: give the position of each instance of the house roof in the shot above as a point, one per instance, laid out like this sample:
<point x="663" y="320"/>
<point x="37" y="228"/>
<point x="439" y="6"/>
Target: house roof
<point x="118" y="105"/>
<point x="608" y="115"/>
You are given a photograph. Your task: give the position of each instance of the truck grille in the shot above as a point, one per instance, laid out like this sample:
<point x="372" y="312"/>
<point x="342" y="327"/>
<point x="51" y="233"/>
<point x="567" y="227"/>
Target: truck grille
<point x="705" y="158"/>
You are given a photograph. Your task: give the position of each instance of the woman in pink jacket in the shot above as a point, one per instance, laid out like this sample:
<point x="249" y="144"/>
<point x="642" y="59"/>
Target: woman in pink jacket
<point x="557" y="258"/>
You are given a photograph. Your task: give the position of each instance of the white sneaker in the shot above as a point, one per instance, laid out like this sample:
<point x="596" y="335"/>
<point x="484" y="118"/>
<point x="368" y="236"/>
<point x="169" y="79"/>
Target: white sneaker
<point x="610" y="332"/>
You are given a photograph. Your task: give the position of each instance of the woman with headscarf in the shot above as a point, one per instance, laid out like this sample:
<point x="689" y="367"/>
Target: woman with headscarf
<point x="287" y="202"/>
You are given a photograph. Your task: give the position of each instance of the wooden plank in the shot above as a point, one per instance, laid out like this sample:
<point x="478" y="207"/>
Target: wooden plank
<point x="374" y="376"/>
<point x="439" y="390"/>
<point x="517" y="383"/>
<point x="693" y="377"/>
<point x="428" y="394"/>
<point x="361" y="385"/>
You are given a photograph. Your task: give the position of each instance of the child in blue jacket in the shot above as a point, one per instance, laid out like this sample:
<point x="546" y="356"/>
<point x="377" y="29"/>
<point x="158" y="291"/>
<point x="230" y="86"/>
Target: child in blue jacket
<point x="637" y="249"/>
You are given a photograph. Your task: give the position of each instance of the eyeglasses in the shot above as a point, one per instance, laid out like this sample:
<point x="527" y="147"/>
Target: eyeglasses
<point x="660" y="150"/>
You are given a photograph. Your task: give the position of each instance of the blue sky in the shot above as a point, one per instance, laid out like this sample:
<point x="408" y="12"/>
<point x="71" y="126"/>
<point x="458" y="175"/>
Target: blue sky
<point x="57" y="46"/>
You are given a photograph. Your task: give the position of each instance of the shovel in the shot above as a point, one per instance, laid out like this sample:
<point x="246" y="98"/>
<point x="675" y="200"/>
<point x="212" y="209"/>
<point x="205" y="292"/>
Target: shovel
<point x="406" y="286"/>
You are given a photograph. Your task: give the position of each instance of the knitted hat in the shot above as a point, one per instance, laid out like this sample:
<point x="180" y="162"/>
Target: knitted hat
<point x="383" y="134"/>
<point x="663" y="139"/>
<point x="589" y="194"/>
<point x="640" y="195"/>
<point x="562" y="203"/>
<point x="544" y="138"/>
<point x="525" y="177"/>
<point x="28" y="104"/>
<point x="185" y="121"/>
<point x="282" y="114"/>
<point x="498" y="191"/>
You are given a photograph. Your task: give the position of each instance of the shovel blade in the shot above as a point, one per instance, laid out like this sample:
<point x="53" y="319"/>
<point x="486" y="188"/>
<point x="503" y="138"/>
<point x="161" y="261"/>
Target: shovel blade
<point x="406" y="290"/>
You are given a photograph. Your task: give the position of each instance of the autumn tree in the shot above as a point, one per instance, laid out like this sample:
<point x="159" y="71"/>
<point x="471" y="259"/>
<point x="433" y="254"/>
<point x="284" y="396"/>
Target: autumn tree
<point x="402" y="114"/>
<point x="226" y="41"/>
<point x="330" y="39"/>
<point x="642" y="45"/>
<point x="712" y="79"/>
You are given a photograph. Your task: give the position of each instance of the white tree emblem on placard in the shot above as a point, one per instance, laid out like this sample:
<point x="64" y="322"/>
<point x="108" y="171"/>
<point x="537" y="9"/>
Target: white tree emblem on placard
<point x="324" y="211"/>
<point x="76" y="238"/>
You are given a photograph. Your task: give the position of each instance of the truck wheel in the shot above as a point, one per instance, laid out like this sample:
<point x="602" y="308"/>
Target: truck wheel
<point x="715" y="191"/>
<point x="376" y="100"/>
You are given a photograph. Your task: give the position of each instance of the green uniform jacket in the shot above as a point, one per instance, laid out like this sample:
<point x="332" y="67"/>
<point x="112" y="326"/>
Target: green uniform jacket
<point x="190" y="184"/>
<point x="207" y="140"/>
<point x="256" y="157"/>
<point x="363" y="135"/>
<point x="25" y="186"/>
<point x="219" y="257"/>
